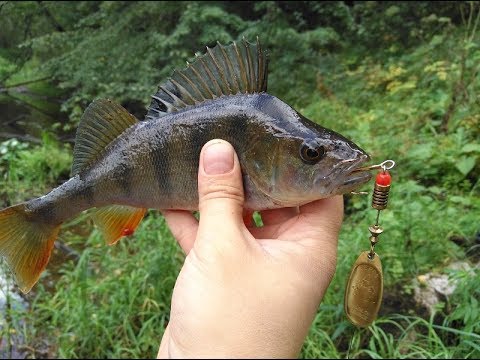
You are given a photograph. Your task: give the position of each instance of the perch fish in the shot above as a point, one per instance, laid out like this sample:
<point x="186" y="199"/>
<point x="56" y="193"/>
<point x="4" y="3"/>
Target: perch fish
<point x="123" y="166"/>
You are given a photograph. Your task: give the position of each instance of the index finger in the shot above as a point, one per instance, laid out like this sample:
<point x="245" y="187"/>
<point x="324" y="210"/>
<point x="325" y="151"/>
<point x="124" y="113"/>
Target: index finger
<point x="183" y="227"/>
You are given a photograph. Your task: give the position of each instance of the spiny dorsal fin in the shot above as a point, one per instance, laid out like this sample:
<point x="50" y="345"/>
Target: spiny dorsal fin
<point x="222" y="70"/>
<point x="102" y="122"/>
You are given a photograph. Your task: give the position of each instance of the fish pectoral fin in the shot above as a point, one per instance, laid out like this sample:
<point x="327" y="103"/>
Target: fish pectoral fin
<point x="116" y="221"/>
<point x="102" y="122"/>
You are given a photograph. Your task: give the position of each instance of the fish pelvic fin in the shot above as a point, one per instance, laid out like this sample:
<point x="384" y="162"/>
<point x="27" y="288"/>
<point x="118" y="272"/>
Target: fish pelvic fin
<point x="26" y="244"/>
<point x="102" y="122"/>
<point x="221" y="71"/>
<point x="116" y="221"/>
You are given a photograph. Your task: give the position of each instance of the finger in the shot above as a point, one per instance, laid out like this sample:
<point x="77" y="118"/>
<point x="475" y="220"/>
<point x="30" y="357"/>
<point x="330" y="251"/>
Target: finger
<point x="319" y="222"/>
<point x="183" y="226"/>
<point x="278" y="216"/>
<point x="325" y="213"/>
<point x="322" y="220"/>
<point x="220" y="189"/>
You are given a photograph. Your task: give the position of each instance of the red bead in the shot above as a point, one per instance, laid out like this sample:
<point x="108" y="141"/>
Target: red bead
<point x="383" y="178"/>
<point x="127" y="232"/>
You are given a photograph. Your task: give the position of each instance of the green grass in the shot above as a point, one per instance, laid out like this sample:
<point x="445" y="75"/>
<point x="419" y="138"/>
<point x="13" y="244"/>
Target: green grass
<point x="28" y="171"/>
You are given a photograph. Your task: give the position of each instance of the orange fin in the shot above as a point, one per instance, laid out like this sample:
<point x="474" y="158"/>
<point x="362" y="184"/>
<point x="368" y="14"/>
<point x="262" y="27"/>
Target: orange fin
<point x="26" y="244"/>
<point x="116" y="221"/>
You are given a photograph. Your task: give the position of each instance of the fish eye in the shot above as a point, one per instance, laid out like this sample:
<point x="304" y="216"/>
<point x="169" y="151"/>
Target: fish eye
<point x="312" y="155"/>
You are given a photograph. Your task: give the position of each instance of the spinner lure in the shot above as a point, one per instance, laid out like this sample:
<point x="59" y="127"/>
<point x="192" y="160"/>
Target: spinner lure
<point x="364" y="290"/>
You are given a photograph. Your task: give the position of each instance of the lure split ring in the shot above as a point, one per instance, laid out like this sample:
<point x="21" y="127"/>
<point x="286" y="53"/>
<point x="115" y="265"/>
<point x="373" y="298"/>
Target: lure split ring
<point x="386" y="165"/>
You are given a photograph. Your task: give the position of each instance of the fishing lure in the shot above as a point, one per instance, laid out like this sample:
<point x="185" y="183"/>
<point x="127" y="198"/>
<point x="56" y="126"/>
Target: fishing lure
<point x="364" y="290"/>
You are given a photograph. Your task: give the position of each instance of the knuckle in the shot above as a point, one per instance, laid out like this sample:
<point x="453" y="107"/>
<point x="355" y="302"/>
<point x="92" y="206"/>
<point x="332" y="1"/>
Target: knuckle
<point x="220" y="190"/>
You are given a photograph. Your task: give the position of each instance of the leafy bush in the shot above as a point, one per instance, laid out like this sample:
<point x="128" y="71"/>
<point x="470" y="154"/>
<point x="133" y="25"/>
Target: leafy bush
<point x="30" y="171"/>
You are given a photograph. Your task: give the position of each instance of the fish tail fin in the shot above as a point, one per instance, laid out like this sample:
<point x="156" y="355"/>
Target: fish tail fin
<point x="26" y="242"/>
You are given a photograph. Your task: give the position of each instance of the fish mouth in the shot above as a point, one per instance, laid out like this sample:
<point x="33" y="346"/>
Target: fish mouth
<point x="347" y="177"/>
<point x="356" y="179"/>
<point x="356" y="176"/>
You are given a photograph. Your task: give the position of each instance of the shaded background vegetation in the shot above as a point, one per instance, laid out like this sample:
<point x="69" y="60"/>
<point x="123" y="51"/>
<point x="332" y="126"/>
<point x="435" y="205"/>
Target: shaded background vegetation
<point x="401" y="79"/>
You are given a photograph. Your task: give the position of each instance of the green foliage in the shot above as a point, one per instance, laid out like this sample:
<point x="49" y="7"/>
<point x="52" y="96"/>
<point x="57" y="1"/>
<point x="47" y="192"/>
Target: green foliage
<point x="465" y="304"/>
<point x="29" y="171"/>
<point x="417" y="338"/>
<point x="393" y="26"/>
<point x="6" y="67"/>
<point x="400" y="80"/>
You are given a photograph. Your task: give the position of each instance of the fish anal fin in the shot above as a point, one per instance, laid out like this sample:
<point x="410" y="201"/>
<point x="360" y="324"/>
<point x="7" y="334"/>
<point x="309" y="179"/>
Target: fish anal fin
<point x="117" y="221"/>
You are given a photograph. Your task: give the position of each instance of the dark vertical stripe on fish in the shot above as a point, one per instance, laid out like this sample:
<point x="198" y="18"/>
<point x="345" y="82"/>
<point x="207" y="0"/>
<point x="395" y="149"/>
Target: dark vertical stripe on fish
<point x="161" y="168"/>
<point x="88" y="195"/>
<point x="125" y="180"/>
<point x="198" y="139"/>
<point x="48" y="213"/>
<point x="237" y="129"/>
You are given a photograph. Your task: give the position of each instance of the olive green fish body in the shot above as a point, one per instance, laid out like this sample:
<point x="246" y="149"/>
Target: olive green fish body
<point x="154" y="164"/>
<point x="159" y="158"/>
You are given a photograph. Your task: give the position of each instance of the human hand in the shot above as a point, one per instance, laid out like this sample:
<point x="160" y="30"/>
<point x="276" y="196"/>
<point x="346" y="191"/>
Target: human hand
<point x="245" y="291"/>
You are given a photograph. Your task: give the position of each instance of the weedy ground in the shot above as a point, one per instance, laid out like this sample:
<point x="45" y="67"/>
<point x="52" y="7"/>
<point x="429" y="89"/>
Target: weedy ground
<point x="419" y="108"/>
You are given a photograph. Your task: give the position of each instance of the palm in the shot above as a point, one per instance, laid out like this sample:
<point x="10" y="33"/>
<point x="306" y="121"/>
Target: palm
<point x="296" y="224"/>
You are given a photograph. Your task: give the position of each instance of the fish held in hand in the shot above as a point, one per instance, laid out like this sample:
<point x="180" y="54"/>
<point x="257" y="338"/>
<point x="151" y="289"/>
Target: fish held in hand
<point x="123" y="166"/>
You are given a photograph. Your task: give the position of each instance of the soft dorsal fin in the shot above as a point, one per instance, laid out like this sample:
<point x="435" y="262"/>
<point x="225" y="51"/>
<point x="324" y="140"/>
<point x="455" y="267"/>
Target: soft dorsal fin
<point x="102" y="122"/>
<point x="222" y="70"/>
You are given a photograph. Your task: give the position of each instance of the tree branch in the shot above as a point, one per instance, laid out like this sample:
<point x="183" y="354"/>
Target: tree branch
<point x="25" y="83"/>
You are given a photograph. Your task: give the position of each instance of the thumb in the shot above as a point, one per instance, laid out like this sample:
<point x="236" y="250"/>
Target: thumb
<point x="220" y="189"/>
